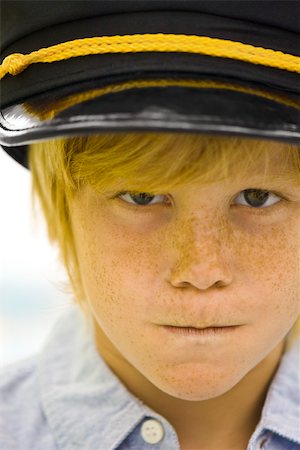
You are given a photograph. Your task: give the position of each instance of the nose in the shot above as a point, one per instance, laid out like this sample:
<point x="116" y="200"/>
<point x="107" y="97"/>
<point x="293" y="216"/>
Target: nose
<point x="201" y="259"/>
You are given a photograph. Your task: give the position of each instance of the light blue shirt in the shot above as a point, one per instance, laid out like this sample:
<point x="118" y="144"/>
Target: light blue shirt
<point x="66" y="398"/>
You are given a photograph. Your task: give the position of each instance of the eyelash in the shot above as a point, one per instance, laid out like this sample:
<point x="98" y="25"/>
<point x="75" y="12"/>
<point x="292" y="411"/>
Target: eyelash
<point x="143" y="207"/>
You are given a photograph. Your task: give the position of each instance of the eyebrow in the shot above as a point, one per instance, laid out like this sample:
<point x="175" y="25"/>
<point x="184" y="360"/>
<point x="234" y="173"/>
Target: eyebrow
<point x="285" y="178"/>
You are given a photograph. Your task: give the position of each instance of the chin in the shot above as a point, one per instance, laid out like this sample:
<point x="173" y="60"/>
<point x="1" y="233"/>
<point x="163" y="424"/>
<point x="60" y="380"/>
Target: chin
<point x="194" y="393"/>
<point x="196" y="385"/>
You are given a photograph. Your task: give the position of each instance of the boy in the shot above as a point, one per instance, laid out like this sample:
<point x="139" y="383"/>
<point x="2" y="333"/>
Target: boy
<point x="186" y="268"/>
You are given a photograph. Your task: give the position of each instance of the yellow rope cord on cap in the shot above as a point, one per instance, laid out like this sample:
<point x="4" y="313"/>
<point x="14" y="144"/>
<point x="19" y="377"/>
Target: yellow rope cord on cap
<point x="17" y="62"/>
<point x="50" y="110"/>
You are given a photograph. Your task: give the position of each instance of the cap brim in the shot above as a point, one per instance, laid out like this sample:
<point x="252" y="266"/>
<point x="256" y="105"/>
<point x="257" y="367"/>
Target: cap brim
<point x="159" y="104"/>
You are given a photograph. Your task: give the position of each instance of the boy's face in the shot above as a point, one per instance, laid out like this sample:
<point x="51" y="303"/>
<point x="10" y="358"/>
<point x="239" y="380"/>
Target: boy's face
<point x="205" y="259"/>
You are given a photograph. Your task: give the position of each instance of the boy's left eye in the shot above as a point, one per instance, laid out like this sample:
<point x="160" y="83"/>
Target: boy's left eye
<point x="258" y="198"/>
<point x="253" y="198"/>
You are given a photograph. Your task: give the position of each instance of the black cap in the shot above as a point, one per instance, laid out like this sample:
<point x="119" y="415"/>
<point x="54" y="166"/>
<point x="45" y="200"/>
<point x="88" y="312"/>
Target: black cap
<point x="80" y="67"/>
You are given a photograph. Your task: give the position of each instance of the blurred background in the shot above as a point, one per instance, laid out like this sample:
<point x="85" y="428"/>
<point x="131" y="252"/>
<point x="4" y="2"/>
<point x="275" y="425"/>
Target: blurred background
<point x="30" y="297"/>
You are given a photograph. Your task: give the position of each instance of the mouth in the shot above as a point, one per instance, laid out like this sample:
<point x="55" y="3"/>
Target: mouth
<point x="197" y="326"/>
<point x="198" y="331"/>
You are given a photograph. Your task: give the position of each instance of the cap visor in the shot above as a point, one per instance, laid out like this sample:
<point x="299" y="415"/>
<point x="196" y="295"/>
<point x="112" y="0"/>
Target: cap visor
<point x="201" y="105"/>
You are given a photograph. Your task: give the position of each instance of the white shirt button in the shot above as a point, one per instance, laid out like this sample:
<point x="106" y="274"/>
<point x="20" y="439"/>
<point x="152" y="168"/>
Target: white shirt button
<point x="152" y="431"/>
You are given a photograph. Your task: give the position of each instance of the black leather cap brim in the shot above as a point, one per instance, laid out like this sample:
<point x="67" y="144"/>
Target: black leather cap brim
<point x="216" y="106"/>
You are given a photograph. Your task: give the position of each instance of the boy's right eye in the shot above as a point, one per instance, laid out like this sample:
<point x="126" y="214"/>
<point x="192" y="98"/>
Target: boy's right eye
<point x="142" y="198"/>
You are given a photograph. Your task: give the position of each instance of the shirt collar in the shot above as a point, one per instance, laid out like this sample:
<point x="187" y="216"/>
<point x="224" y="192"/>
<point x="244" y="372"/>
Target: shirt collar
<point x="281" y="411"/>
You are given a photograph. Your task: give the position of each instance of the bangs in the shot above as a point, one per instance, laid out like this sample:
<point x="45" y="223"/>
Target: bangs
<point x="156" y="162"/>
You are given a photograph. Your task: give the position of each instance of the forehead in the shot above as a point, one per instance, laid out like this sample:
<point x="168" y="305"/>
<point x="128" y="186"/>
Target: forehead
<point x="262" y="155"/>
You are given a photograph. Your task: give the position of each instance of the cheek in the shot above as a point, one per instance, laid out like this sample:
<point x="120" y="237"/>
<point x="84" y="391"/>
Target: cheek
<point x="272" y="261"/>
<point x="117" y="269"/>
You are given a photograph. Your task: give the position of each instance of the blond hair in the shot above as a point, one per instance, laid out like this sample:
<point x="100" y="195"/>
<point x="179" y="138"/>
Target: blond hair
<point x="146" y="162"/>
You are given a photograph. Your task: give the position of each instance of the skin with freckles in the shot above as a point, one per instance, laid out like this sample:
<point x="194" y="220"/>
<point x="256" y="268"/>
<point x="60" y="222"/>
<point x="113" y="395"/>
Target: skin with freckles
<point x="194" y="257"/>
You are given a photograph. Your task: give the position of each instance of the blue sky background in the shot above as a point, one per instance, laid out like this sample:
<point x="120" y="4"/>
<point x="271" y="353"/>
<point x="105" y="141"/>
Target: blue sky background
<point x="30" y="300"/>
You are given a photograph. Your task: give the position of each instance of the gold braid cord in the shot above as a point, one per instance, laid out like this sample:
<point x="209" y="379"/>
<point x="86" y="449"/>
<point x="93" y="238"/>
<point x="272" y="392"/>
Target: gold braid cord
<point x="222" y="48"/>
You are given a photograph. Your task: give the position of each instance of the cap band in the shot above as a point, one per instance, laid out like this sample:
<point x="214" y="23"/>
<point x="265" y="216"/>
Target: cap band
<point x="17" y="62"/>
